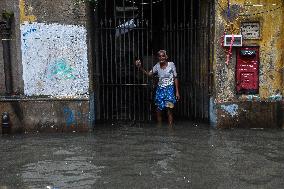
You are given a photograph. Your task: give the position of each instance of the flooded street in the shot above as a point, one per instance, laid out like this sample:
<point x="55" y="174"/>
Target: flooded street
<point x="144" y="156"/>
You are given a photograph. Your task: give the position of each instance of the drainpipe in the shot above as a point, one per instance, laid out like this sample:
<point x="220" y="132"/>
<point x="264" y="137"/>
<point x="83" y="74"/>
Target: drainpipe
<point x="5" y="29"/>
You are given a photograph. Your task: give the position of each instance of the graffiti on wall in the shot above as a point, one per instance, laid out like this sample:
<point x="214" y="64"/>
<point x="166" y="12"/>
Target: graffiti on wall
<point x="69" y="117"/>
<point x="26" y="14"/>
<point x="54" y="59"/>
<point x="231" y="109"/>
<point x="74" y="117"/>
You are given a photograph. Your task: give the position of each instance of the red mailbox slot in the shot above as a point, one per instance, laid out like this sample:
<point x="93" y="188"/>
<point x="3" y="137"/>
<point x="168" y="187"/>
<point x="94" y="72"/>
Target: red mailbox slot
<point x="247" y="71"/>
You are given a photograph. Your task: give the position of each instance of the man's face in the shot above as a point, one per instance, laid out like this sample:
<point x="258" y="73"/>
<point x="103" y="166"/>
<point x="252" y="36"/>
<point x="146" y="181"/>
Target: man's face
<point x="162" y="57"/>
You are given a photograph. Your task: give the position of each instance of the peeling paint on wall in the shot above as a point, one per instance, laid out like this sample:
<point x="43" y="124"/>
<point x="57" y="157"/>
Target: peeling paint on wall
<point x="69" y="117"/>
<point x="54" y="59"/>
<point x="231" y="109"/>
<point x="267" y="13"/>
<point x="24" y="16"/>
<point x="212" y="112"/>
<point x="74" y="117"/>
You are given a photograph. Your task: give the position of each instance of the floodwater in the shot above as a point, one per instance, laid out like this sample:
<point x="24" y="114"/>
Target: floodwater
<point x="144" y="156"/>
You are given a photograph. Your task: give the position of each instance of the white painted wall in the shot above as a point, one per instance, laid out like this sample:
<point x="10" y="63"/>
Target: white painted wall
<point x="54" y="59"/>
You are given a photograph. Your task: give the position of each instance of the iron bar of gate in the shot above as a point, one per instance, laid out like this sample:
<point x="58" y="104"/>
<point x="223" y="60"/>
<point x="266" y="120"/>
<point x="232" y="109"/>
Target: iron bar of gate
<point x="111" y="67"/>
<point x="178" y="36"/>
<point x="194" y="66"/>
<point x="202" y="65"/>
<point x="142" y="49"/>
<point x="184" y="57"/>
<point x="139" y="56"/>
<point x="183" y="52"/>
<point x="189" y="69"/>
<point x="105" y="72"/>
<point x="200" y="60"/>
<point x="124" y="115"/>
<point x="202" y="74"/>
<point x="191" y="56"/>
<point x="198" y="67"/>
<point x="175" y="47"/>
<point x="205" y="75"/>
<point x="111" y="51"/>
<point x="167" y="37"/>
<point x="120" y="66"/>
<point x="134" y="70"/>
<point x="107" y="66"/>
<point x="205" y="110"/>
<point x="116" y="63"/>
<point x="147" y="54"/>
<point x="106" y="52"/>
<point x="129" y="76"/>
<point x="174" y="42"/>
<point x="184" y="63"/>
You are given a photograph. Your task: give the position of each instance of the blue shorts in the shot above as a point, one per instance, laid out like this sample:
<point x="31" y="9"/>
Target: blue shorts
<point x="165" y="97"/>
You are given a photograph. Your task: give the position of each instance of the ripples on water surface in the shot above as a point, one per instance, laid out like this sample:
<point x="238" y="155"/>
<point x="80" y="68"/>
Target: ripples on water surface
<point x="144" y="156"/>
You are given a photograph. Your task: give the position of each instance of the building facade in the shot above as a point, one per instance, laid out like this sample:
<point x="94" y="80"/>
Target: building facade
<point x="49" y="73"/>
<point x="249" y="89"/>
<point x="67" y="64"/>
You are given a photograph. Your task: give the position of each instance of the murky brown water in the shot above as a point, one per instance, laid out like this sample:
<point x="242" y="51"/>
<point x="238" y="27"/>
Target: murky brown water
<point x="144" y="156"/>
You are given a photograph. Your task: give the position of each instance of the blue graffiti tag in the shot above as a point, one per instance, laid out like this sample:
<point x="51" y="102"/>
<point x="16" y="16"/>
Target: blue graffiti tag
<point x="61" y="70"/>
<point x="231" y="109"/>
<point x="29" y="32"/>
<point x="69" y="117"/>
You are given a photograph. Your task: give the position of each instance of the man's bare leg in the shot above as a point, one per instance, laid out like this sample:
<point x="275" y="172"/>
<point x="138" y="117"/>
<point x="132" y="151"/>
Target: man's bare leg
<point x="170" y="116"/>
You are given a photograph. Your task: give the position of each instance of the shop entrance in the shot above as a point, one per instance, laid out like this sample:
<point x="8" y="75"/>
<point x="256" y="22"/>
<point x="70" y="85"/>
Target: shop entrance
<point x="129" y="29"/>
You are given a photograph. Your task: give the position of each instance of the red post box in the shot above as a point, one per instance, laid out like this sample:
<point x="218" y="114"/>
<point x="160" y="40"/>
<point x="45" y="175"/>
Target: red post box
<point x="247" y="70"/>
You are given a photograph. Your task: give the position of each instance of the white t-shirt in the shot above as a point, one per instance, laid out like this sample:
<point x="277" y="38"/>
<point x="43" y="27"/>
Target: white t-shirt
<point x="166" y="75"/>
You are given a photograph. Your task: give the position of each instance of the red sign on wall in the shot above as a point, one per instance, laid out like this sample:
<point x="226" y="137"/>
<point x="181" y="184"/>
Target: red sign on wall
<point x="247" y="70"/>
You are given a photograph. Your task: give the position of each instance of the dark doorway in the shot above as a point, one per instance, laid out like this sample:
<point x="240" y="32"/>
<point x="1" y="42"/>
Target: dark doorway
<point x="129" y="29"/>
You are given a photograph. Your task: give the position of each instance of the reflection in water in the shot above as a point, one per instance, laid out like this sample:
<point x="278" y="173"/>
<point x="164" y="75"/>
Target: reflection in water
<point x="145" y="156"/>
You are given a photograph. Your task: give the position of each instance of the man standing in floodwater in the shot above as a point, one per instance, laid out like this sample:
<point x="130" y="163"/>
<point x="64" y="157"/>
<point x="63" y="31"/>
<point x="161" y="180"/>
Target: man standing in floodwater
<point x="167" y="92"/>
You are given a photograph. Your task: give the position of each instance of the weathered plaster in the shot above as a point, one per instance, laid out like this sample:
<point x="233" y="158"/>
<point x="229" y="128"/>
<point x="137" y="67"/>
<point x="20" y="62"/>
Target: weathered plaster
<point x="26" y="12"/>
<point x="49" y="51"/>
<point x="213" y="113"/>
<point x="11" y="6"/>
<point x="54" y="54"/>
<point x="47" y="116"/>
<point x="54" y="59"/>
<point x="271" y="43"/>
<point x="231" y="109"/>
<point x="50" y="11"/>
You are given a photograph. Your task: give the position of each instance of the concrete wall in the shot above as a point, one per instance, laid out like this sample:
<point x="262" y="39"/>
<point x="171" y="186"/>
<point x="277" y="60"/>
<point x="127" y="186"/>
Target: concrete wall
<point x="12" y="5"/>
<point x="51" y="60"/>
<point x="41" y="115"/>
<point x="263" y="109"/>
<point x="54" y="48"/>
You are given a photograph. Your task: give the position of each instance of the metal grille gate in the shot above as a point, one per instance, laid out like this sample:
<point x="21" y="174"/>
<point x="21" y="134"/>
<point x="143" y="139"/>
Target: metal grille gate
<point x="131" y="29"/>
